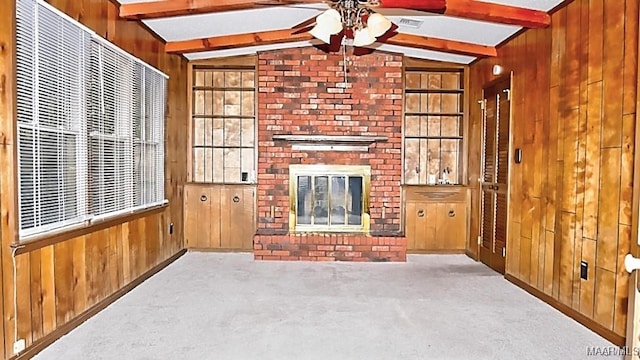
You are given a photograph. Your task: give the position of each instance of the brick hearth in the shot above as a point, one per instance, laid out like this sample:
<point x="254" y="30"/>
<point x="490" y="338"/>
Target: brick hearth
<point x="302" y="92"/>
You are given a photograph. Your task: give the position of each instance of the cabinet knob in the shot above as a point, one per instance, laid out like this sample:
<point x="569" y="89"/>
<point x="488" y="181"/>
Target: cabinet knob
<point x="203" y="198"/>
<point x="452" y="213"/>
<point x="420" y="213"/>
<point x="236" y="199"/>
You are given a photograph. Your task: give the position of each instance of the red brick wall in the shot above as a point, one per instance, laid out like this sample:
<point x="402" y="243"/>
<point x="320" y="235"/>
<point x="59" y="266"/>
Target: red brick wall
<point x="302" y="91"/>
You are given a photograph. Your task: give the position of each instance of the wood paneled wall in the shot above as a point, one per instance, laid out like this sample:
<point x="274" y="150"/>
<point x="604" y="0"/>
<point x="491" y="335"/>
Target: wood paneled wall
<point x="574" y="104"/>
<point x="58" y="282"/>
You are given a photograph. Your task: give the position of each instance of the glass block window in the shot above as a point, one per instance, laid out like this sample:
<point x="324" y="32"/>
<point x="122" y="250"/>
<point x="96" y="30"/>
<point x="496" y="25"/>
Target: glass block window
<point x="224" y="125"/>
<point x="433" y="126"/>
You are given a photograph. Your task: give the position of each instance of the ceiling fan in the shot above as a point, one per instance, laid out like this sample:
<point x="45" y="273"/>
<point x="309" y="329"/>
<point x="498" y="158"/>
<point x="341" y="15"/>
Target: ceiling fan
<point x="353" y="19"/>
<point x="359" y="21"/>
<point x="341" y="19"/>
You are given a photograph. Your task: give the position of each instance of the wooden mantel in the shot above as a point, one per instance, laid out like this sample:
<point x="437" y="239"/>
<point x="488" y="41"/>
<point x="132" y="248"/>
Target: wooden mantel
<point x="330" y="142"/>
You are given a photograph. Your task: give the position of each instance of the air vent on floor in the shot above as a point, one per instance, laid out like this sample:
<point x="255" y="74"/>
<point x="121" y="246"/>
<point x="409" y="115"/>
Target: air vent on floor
<point x="416" y="24"/>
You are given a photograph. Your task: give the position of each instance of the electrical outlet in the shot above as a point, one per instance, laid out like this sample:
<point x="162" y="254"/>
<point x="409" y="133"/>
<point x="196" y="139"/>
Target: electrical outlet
<point x="19" y="346"/>
<point x="584" y="270"/>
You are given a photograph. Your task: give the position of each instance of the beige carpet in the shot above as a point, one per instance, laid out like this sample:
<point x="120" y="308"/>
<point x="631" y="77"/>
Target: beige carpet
<point x="226" y="306"/>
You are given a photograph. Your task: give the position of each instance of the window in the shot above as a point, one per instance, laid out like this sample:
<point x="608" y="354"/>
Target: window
<point x="329" y="198"/>
<point x="80" y="101"/>
<point x="224" y="125"/>
<point x="433" y="126"/>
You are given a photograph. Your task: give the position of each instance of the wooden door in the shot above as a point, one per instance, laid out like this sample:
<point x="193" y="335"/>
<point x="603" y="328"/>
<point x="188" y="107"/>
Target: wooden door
<point x="495" y="170"/>
<point x="633" y="304"/>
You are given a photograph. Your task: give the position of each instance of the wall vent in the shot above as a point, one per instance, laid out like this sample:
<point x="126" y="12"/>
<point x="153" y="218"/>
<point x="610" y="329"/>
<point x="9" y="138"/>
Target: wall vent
<point x="412" y="23"/>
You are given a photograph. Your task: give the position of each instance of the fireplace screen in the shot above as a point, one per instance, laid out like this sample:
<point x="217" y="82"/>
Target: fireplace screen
<point x="329" y="198"/>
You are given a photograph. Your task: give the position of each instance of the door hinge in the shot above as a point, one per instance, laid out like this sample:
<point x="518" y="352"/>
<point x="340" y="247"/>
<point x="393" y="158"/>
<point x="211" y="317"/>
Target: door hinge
<point x="482" y="103"/>
<point x="504" y="252"/>
<point x="479" y="240"/>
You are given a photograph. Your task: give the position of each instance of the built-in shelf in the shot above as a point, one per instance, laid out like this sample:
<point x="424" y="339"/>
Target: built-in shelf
<point x="330" y="142"/>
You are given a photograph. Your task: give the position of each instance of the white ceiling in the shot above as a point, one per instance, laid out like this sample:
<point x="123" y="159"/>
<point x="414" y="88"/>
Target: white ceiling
<point x="284" y="17"/>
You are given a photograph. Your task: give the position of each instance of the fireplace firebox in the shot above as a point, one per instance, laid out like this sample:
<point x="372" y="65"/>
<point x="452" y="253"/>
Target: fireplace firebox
<point x="331" y="198"/>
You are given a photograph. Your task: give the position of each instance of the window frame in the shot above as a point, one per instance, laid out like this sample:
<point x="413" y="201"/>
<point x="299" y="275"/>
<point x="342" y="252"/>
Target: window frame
<point x="84" y="83"/>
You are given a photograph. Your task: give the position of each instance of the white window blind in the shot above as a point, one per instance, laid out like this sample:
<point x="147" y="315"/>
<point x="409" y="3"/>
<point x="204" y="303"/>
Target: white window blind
<point x="90" y="124"/>
<point x="110" y="130"/>
<point x="148" y="138"/>
<point x="53" y="59"/>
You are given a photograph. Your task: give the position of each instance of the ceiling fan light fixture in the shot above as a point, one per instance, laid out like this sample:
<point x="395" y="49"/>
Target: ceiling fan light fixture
<point x="378" y="24"/>
<point x="350" y="15"/>
<point x="321" y="33"/>
<point x="329" y="22"/>
<point x="363" y="37"/>
<point x="331" y="14"/>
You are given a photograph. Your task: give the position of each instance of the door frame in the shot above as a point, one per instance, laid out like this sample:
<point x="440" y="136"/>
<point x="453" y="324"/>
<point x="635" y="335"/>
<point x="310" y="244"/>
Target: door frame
<point x="633" y="307"/>
<point x="503" y="78"/>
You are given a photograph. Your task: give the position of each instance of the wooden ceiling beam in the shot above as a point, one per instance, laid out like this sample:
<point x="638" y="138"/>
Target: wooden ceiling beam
<point x="442" y="45"/>
<point x="476" y="10"/>
<point x="168" y="8"/>
<point x="288" y="35"/>
<point x="236" y="41"/>
<point x="468" y="9"/>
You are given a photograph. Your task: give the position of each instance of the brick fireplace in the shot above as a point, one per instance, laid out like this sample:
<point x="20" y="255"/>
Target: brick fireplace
<point x="310" y="118"/>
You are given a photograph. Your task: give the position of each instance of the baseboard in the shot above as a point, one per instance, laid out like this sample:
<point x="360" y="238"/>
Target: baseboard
<point x="441" y="252"/>
<point x="194" y="249"/>
<point x="575" y="315"/>
<point x="472" y="255"/>
<point x="48" y="339"/>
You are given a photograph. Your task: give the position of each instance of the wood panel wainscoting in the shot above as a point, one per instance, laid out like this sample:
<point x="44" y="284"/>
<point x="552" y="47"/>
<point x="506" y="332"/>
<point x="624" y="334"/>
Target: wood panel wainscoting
<point x="436" y="219"/>
<point x="219" y="217"/>
<point x="573" y="101"/>
<point x="63" y="280"/>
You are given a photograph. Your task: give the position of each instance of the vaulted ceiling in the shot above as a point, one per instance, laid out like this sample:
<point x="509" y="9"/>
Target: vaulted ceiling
<point x="457" y="31"/>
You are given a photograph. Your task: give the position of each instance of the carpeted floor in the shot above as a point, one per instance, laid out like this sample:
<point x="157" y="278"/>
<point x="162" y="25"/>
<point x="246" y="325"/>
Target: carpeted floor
<point x="226" y="306"/>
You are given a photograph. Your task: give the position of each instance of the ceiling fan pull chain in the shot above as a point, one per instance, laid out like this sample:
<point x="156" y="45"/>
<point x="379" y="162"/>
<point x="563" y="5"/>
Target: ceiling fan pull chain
<point x="344" y="62"/>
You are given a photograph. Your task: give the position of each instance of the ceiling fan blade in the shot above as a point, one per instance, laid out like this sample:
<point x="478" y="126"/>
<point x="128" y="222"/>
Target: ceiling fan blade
<point x="305" y="24"/>
<point x="389" y="34"/>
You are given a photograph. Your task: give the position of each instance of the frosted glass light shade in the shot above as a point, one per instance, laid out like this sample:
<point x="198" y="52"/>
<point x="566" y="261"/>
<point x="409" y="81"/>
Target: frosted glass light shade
<point x="320" y="32"/>
<point x="378" y="24"/>
<point x="363" y="37"/>
<point x="330" y="21"/>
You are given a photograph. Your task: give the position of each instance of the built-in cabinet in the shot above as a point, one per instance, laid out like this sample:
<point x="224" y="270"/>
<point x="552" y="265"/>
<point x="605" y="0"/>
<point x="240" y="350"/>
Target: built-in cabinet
<point x="436" y="219"/>
<point x="219" y="217"/>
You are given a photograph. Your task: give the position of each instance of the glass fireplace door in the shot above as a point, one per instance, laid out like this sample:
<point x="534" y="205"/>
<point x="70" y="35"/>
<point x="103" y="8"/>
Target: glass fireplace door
<point x="332" y="202"/>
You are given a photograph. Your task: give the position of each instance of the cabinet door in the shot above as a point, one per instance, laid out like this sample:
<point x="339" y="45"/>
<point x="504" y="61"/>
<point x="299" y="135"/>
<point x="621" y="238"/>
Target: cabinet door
<point x="237" y="220"/>
<point x="451" y="226"/>
<point x="197" y="212"/>
<point x="420" y="225"/>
